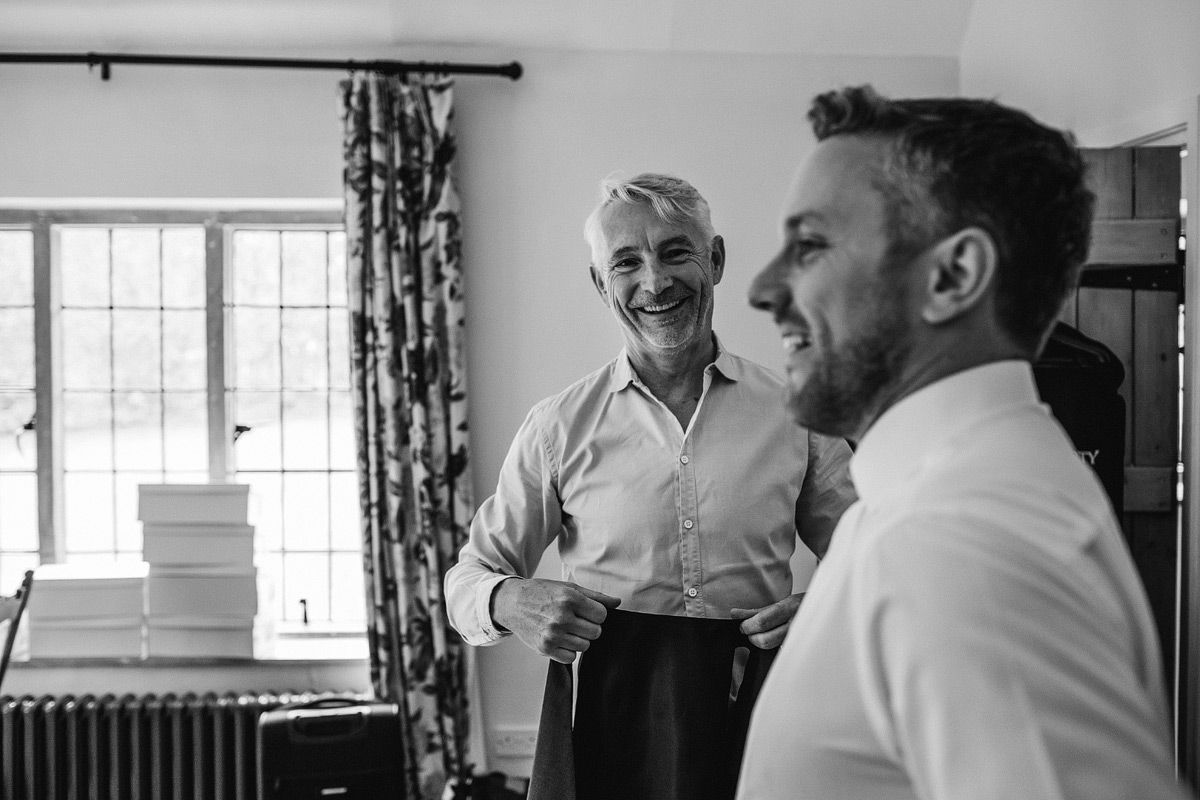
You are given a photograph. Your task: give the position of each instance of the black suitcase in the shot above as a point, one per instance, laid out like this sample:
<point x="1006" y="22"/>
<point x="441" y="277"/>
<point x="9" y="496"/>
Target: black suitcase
<point x="330" y="749"/>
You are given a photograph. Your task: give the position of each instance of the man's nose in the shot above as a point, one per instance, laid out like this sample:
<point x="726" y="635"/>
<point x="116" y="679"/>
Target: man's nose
<point x="769" y="290"/>
<point x="656" y="276"/>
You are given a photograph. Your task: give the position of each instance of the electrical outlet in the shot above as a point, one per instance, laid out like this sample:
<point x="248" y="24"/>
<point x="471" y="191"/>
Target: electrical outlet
<point x="514" y="741"/>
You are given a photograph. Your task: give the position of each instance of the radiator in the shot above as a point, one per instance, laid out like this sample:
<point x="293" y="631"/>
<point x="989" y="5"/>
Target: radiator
<point x="140" y="747"/>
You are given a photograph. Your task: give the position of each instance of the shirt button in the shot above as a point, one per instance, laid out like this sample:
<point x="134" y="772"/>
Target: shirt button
<point x="684" y="459"/>
<point x="687" y="523"/>
<point x="692" y="592"/>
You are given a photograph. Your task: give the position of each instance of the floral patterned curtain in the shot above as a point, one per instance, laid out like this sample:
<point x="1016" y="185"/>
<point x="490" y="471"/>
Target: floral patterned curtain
<point x="407" y="354"/>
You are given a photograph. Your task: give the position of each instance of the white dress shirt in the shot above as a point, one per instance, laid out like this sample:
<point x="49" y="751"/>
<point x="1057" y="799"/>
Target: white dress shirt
<point x="672" y="521"/>
<point x="977" y="630"/>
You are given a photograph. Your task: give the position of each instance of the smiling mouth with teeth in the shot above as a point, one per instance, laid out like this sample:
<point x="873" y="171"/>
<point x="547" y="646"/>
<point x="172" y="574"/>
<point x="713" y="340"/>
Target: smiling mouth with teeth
<point x="661" y="307"/>
<point x="794" y="342"/>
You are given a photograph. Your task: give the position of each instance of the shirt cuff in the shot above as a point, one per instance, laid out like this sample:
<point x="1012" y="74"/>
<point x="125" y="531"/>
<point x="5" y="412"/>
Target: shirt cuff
<point x="483" y="608"/>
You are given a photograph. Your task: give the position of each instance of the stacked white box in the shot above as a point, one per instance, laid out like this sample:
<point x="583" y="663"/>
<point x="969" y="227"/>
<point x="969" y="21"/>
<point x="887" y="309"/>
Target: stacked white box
<point x="202" y="594"/>
<point x="215" y="637"/>
<point x="194" y="503"/>
<point x="198" y="545"/>
<point x="88" y="610"/>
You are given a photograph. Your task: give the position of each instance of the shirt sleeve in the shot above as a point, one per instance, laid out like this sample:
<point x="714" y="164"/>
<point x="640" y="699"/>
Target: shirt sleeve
<point x="988" y="675"/>
<point x="826" y="492"/>
<point x="509" y="533"/>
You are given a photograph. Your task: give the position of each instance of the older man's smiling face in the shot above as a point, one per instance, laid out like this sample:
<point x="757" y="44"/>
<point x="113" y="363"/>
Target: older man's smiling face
<point x="658" y="279"/>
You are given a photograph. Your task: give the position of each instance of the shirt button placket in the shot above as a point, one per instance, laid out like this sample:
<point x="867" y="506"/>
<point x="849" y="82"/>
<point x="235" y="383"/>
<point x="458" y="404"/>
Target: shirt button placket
<point x="689" y="512"/>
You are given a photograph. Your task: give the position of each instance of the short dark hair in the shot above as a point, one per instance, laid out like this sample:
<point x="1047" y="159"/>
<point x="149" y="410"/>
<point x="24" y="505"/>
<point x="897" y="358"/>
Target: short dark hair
<point x="956" y="163"/>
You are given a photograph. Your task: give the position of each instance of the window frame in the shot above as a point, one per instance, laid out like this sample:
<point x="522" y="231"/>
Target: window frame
<point x="219" y="222"/>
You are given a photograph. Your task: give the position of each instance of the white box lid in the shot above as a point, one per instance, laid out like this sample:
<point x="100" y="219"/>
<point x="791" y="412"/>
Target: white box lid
<point x="135" y="571"/>
<point x="87" y="623"/>
<point x="198" y="622"/>
<point x="158" y="571"/>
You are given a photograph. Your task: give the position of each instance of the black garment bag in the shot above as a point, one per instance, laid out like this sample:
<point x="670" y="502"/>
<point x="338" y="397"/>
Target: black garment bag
<point x="661" y="712"/>
<point x="1080" y="379"/>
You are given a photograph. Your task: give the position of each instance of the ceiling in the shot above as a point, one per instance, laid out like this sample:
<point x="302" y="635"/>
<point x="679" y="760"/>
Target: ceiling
<point x="849" y="27"/>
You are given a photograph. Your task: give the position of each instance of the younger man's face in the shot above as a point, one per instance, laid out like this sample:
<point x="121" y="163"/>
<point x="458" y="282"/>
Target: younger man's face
<point x="842" y="307"/>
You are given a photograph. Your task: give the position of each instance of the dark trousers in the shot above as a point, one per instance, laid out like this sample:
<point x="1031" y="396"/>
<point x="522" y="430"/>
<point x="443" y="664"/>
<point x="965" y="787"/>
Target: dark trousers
<point x="659" y="714"/>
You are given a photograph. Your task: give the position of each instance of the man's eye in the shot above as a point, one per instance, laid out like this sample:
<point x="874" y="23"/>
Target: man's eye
<point x="625" y="264"/>
<point x="676" y="254"/>
<point x="802" y="249"/>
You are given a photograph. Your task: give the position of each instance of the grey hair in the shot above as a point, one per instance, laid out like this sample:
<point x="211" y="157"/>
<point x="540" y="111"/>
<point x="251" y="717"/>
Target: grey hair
<point x="673" y="199"/>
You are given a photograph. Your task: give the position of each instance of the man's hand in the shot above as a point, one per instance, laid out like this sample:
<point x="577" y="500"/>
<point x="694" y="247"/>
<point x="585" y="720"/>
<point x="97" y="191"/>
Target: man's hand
<point x="767" y="626"/>
<point x="553" y="618"/>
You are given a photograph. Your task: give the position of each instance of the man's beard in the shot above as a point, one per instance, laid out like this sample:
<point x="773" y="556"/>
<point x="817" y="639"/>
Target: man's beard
<point x="848" y="388"/>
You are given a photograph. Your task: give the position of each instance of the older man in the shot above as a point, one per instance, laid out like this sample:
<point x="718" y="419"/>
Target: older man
<point x="977" y="629"/>
<point x="671" y="479"/>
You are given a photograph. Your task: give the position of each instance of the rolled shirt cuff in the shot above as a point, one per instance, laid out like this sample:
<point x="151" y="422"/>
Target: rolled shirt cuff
<point x="483" y="611"/>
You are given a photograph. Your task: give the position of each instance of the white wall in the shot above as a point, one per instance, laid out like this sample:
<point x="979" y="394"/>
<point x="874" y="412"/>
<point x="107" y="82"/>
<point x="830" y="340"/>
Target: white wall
<point x="168" y="132"/>
<point x="1109" y="70"/>
<point x="531" y="155"/>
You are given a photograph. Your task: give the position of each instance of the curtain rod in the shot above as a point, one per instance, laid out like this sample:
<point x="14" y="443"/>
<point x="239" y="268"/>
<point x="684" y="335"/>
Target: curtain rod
<point x="106" y="60"/>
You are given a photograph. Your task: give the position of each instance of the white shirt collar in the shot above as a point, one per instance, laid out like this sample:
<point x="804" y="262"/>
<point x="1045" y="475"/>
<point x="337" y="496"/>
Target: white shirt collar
<point x="906" y="434"/>
<point x="623" y="373"/>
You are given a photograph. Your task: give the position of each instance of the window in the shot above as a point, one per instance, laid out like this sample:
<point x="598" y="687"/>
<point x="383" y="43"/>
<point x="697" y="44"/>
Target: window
<point x="290" y="396"/>
<point x="180" y="346"/>
<point x="18" y="450"/>
<point x="132" y="375"/>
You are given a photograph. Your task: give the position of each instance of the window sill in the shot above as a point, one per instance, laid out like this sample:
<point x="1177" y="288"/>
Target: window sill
<point x="319" y="648"/>
<point x="287" y="642"/>
<point x="314" y="663"/>
<point x="315" y="649"/>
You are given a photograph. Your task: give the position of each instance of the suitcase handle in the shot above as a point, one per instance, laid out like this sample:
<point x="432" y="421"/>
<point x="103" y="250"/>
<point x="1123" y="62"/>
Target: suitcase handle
<point x="328" y="719"/>
<point x="325" y="702"/>
<point x="328" y="725"/>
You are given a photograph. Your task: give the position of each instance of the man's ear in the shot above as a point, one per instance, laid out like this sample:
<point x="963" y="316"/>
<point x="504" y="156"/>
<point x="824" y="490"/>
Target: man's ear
<point x="598" y="282"/>
<point x="718" y="259"/>
<point x="962" y="270"/>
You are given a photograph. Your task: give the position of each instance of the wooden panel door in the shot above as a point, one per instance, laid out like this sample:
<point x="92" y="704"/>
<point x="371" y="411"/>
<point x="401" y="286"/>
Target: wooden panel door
<point x="1129" y="299"/>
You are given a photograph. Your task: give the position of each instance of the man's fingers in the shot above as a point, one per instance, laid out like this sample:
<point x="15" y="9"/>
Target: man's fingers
<point x="556" y="641"/>
<point x="553" y="618"/>
<point x="760" y="623"/>
<point x="564" y="648"/>
<point x="763" y="621"/>
<point x="576" y="644"/>
<point x="771" y="639"/>
<point x="768" y="618"/>
<point x="561" y="656"/>
<point x="588" y="610"/>
<point x="594" y="606"/>
<point x="743" y="613"/>
<point x="606" y="600"/>
<point x="582" y="629"/>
